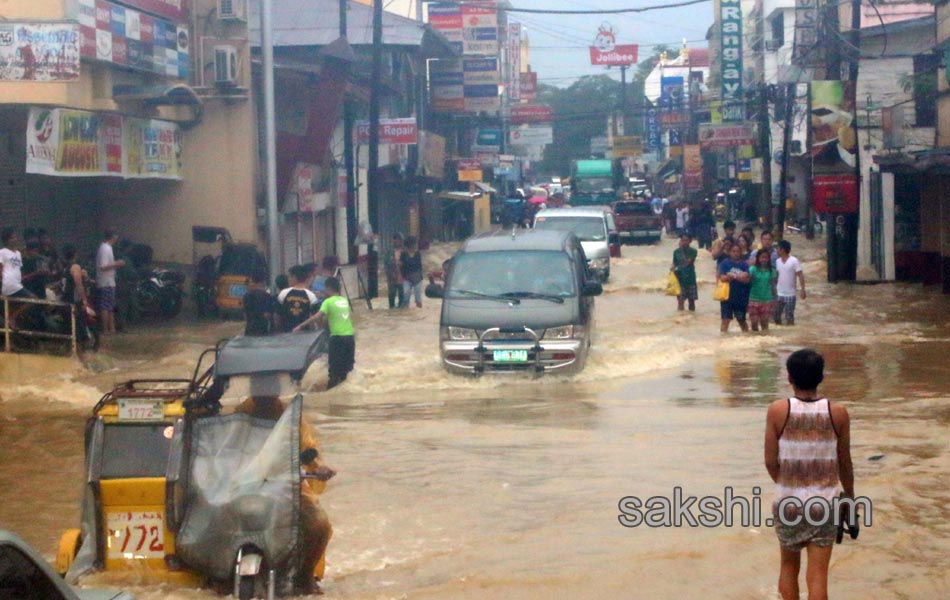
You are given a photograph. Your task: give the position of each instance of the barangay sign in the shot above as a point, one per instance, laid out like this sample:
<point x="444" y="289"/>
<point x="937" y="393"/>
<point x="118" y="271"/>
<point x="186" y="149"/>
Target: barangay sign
<point x="730" y="16"/>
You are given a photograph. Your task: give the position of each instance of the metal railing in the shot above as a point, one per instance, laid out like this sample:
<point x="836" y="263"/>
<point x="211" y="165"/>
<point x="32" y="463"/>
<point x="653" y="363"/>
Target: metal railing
<point x="8" y="331"/>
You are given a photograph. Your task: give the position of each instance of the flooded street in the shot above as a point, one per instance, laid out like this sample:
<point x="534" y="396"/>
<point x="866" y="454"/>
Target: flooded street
<point x="508" y="487"/>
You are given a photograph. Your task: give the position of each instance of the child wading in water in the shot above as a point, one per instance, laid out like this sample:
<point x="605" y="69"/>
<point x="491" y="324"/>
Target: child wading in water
<point x="762" y="292"/>
<point x="684" y="267"/>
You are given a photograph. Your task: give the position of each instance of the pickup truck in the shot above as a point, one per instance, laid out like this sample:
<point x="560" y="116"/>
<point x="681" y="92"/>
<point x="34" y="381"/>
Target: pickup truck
<point x="636" y="222"/>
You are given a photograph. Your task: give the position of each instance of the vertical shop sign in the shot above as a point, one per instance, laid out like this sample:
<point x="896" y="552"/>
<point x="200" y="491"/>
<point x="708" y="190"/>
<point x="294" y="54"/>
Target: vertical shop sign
<point x="834" y="147"/>
<point x="730" y="18"/>
<point x="514" y="62"/>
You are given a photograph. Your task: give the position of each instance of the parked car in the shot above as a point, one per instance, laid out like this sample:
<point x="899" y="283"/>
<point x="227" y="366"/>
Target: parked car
<point x="636" y="222"/>
<point x="519" y="300"/>
<point x="25" y="575"/>
<point x="591" y="226"/>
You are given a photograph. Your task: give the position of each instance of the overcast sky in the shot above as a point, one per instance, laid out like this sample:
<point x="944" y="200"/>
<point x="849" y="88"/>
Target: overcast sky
<point x="559" y="42"/>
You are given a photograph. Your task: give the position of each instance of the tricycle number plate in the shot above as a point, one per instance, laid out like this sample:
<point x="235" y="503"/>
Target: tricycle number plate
<point x="510" y="355"/>
<point x="140" y="410"/>
<point x="134" y="535"/>
<point x="237" y="290"/>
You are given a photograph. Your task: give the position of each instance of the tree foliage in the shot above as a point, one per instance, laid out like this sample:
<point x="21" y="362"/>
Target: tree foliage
<point x="581" y="110"/>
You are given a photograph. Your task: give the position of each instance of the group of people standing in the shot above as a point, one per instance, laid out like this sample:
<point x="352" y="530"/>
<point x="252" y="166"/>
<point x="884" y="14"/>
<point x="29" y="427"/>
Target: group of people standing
<point x="404" y="272"/>
<point x="763" y="281"/>
<point x="308" y="297"/>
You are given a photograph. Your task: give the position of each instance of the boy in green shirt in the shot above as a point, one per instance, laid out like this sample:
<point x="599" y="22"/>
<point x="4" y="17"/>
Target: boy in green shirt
<point x="335" y="314"/>
<point x="684" y="267"/>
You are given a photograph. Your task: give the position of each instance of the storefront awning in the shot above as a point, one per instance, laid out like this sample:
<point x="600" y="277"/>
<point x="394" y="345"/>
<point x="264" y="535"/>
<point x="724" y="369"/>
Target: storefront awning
<point x="485" y="188"/>
<point x="177" y="94"/>
<point x="459" y="196"/>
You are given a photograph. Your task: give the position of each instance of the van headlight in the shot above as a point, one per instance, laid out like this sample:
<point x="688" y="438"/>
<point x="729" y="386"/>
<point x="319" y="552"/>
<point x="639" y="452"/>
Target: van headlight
<point x="599" y="263"/>
<point x="459" y="334"/>
<point x="564" y="332"/>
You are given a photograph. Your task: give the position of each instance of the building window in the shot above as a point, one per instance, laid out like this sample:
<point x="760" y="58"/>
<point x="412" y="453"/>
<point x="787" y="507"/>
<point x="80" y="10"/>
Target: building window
<point x="925" y="89"/>
<point x="778" y="30"/>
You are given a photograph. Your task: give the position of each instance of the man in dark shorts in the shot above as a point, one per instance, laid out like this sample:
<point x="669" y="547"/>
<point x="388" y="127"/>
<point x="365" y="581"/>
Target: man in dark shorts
<point x="735" y="271"/>
<point x="259" y="309"/>
<point x="297" y="302"/>
<point x="335" y="313"/>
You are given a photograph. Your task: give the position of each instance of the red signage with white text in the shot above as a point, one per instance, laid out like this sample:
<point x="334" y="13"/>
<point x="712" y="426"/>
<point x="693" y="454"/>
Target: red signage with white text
<point x="835" y="194"/>
<point x="528" y="113"/>
<point x="391" y="131"/>
<point x="620" y="55"/>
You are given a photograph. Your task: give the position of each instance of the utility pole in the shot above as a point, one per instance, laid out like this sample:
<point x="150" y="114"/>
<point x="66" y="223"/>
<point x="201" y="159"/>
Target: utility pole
<point x="270" y="139"/>
<point x="789" y="103"/>
<point x="376" y="90"/>
<point x="348" y="162"/>
<point x="765" y="143"/>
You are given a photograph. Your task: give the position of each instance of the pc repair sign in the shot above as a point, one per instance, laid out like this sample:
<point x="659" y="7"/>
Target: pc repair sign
<point x="391" y="131"/>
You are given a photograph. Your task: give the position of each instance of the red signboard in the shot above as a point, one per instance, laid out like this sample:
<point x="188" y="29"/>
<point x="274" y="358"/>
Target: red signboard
<point x="621" y="55"/>
<point x="835" y="194"/>
<point x="468" y="164"/>
<point x="391" y="131"/>
<point x="528" y="113"/>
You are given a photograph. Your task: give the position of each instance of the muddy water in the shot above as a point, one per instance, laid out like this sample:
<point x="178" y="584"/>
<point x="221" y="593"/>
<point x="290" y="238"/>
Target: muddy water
<point x="456" y="488"/>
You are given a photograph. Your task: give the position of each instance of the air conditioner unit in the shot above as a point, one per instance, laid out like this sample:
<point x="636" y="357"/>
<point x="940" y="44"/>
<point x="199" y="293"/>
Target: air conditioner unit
<point x="232" y="10"/>
<point x="773" y="45"/>
<point x="225" y="65"/>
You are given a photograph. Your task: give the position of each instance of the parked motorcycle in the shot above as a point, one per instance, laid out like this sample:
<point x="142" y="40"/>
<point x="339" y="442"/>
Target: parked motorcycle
<point x="159" y="293"/>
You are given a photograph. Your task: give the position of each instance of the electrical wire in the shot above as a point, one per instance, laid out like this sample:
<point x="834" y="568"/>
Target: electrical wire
<point x="591" y="11"/>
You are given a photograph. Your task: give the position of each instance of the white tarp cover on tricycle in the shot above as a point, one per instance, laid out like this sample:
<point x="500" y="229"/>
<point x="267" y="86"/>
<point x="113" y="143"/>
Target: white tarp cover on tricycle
<point x="243" y="489"/>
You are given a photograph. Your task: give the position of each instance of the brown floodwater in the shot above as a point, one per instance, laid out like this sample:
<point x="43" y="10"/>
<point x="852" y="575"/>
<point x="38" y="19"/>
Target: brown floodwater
<point x="508" y="487"/>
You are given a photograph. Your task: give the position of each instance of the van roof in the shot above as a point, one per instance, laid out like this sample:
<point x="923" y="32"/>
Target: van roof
<point x="518" y="239"/>
<point x="574" y="211"/>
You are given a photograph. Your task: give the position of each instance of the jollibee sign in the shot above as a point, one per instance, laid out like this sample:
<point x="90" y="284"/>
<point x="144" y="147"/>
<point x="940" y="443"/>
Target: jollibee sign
<point x="606" y="51"/>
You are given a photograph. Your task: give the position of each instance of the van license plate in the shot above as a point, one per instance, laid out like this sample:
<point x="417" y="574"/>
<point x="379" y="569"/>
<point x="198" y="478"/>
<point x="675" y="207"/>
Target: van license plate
<point x="510" y="355"/>
<point x="141" y="410"/>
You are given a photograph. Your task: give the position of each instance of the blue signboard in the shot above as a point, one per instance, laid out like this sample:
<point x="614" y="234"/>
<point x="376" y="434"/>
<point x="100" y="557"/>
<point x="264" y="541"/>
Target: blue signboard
<point x="481" y="91"/>
<point x="652" y="127"/>
<point x="671" y="92"/>
<point x="489" y="137"/>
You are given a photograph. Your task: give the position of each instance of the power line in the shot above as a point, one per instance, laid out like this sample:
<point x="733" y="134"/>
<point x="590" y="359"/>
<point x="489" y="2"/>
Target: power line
<point x="602" y="11"/>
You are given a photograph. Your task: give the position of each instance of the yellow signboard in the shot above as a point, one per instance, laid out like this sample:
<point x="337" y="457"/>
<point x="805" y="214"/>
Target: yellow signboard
<point x="628" y="145"/>
<point x="470" y="175"/>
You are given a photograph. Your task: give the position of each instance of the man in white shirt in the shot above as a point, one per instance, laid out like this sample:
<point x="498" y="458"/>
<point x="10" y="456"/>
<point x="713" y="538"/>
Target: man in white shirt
<point x="106" y="265"/>
<point x="789" y="276"/>
<point x="11" y="265"/>
<point x="682" y="218"/>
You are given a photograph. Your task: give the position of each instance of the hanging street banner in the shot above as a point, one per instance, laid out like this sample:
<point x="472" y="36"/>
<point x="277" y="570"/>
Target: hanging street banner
<point x="39" y="51"/>
<point x="726" y="135"/>
<point x="834" y="147"/>
<point x="692" y="168"/>
<point x="806" y="33"/>
<point x="128" y="38"/>
<point x="531" y="113"/>
<point x="730" y="70"/>
<point x="76" y="143"/>
<point x="513" y="80"/>
<point x="653" y="130"/>
<point x="606" y="52"/>
<point x="391" y="131"/>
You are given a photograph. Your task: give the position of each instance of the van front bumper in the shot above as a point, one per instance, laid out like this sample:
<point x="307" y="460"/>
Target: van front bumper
<point x="545" y="356"/>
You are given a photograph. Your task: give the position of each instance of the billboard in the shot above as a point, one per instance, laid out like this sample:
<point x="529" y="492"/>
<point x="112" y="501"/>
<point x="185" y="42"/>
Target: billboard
<point x="834" y="147"/>
<point x="726" y="135"/>
<point x="128" y="38"/>
<point x="605" y="50"/>
<point x="77" y="143"/>
<point x="532" y="135"/>
<point x="391" y="131"/>
<point x="531" y="113"/>
<point x="692" y="167"/>
<point x="39" y="51"/>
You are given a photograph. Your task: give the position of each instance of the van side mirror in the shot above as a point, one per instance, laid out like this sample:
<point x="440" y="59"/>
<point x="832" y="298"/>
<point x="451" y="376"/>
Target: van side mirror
<point x="434" y="290"/>
<point x="592" y="288"/>
<point x="613" y="237"/>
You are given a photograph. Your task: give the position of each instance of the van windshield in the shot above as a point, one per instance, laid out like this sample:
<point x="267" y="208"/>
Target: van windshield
<point x="587" y="229"/>
<point x="519" y="273"/>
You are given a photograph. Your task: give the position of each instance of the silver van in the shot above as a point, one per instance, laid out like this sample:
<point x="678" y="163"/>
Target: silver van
<point x="590" y="225"/>
<point x="518" y="300"/>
